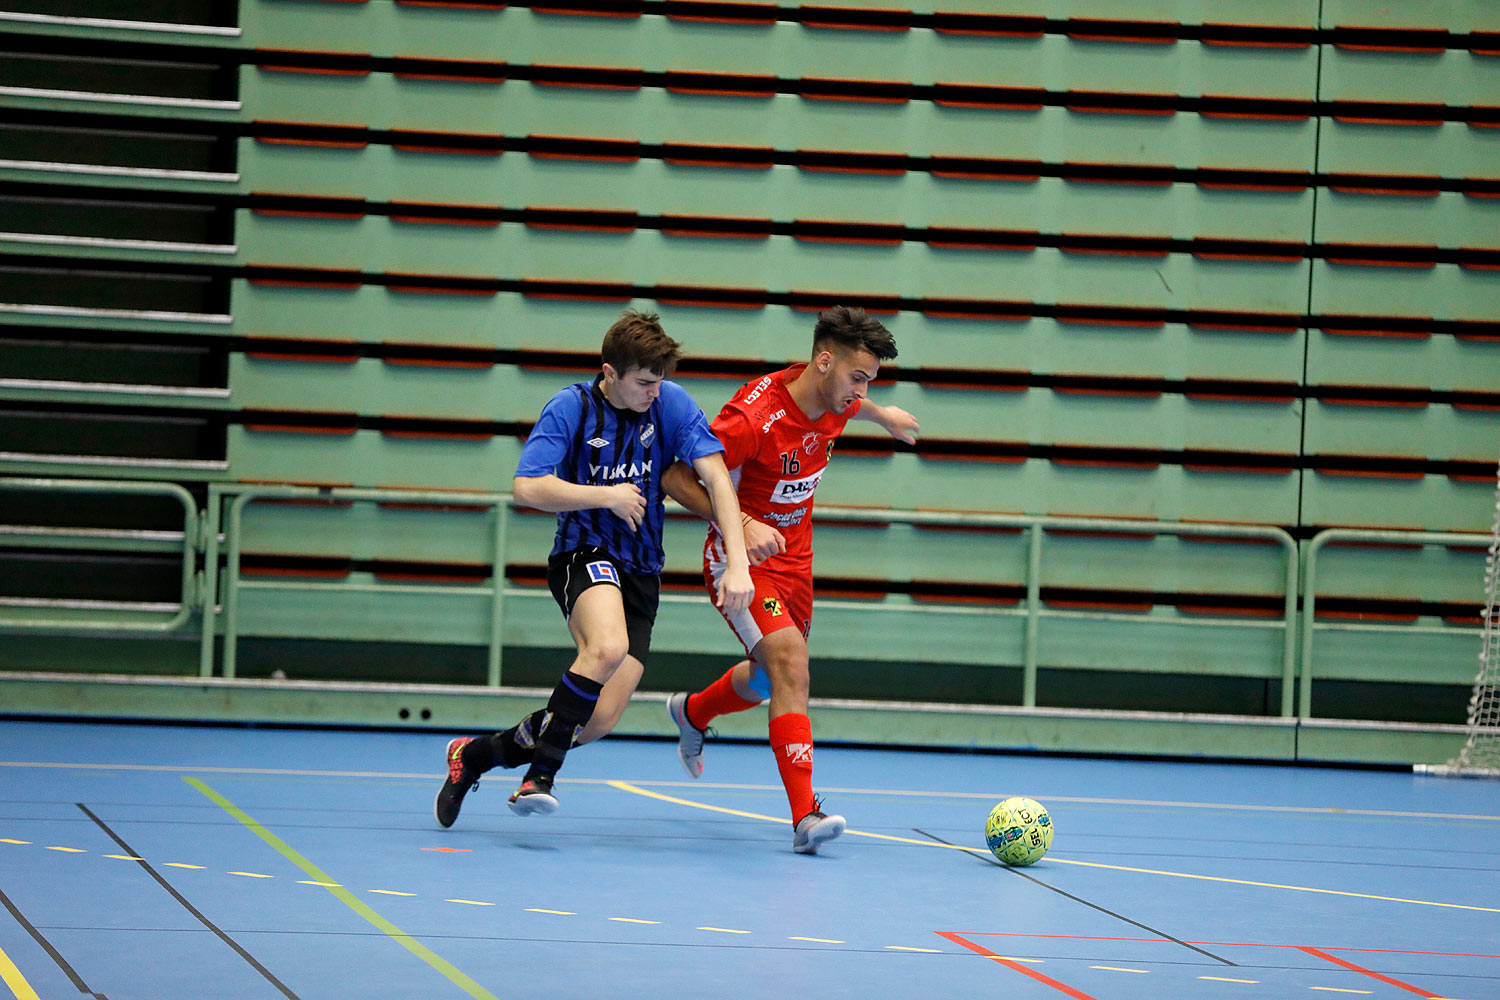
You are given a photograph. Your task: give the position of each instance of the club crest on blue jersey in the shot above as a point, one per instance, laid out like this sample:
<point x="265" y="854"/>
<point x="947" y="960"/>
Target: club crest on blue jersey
<point x="603" y="572"/>
<point x="647" y="433"/>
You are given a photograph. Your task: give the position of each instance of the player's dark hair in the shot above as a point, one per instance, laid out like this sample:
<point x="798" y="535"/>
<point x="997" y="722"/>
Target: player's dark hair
<point x="636" y="340"/>
<point x="852" y="327"/>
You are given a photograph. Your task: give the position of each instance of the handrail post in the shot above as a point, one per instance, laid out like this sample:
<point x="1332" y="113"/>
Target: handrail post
<point x="1309" y="602"/>
<point x="231" y="582"/>
<point x="210" y="594"/>
<point x="1033" y="615"/>
<point x="497" y="596"/>
<point x="1289" y="627"/>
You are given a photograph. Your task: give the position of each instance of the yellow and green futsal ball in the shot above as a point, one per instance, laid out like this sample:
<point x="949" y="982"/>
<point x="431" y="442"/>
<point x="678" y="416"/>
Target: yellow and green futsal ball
<point x="1019" y="831"/>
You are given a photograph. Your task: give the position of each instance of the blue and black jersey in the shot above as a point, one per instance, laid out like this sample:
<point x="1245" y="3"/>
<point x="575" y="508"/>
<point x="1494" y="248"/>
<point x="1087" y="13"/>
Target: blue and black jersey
<point x="581" y="438"/>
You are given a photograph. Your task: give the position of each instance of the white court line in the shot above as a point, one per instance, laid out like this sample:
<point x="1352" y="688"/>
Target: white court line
<point x="892" y="792"/>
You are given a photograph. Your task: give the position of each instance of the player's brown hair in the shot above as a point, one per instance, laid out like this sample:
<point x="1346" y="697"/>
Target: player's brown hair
<point x="852" y="327"/>
<point x="636" y="340"/>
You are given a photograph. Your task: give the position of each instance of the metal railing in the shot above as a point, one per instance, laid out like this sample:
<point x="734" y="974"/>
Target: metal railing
<point x="107" y="616"/>
<point x="1310" y="626"/>
<point x="243" y="494"/>
<point x="1037" y="524"/>
<point x="227" y="501"/>
<point x="1032" y="608"/>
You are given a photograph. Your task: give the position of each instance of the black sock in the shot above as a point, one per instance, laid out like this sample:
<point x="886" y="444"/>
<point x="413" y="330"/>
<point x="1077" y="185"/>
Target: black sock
<point x="517" y="744"/>
<point x="568" y="709"/>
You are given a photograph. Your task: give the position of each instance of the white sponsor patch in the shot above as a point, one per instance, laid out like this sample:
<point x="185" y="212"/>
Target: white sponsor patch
<point x="799" y="753"/>
<point x="603" y="572"/>
<point x="796" y="490"/>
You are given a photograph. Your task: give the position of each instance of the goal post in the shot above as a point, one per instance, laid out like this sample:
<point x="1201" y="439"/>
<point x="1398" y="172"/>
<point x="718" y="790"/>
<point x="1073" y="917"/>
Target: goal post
<point x="1480" y="756"/>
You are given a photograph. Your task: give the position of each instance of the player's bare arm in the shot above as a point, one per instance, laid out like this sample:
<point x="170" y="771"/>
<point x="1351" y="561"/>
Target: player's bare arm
<point x="551" y="494"/>
<point x="897" y="422"/>
<point x="680" y="482"/>
<point x="762" y="541"/>
<point x="735" y="589"/>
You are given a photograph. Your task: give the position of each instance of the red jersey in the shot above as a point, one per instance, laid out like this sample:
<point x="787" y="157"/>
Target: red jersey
<point x="776" y="456"/>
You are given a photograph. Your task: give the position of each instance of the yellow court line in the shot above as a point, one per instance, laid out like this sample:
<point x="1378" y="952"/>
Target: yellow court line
<point x="1278" y="885"/>
<point x="348" y="898"/>
<point x="625" y="786"/>
<point x="1157" y="803"/>
<point x="1224" y="979"/>
<point x="13" y="978"/>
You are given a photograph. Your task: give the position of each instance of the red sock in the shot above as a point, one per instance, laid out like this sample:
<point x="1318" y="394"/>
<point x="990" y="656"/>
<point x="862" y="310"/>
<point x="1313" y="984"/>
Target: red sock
<point x="791" y="741"/>
<point x="719" y="698"/>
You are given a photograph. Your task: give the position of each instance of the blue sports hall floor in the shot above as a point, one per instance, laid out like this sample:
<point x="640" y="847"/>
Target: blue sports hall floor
<point x="185" y="862"/>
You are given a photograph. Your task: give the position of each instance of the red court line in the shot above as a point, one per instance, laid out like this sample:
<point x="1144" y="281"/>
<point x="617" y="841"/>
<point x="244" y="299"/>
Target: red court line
<point x="1306" y="949"/>
<point x="1367" y="972"/>
<point x="1066" y="937"/>
<point x="1407" y="951"/>
<point x="1017" y="966"/>
<point x="1228" y="944"/>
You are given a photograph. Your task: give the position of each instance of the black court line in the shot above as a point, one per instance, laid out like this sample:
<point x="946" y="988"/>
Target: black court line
<point x="62" y="963"/>
<point x="271" y="978"/>
<point x="985" y="858"/>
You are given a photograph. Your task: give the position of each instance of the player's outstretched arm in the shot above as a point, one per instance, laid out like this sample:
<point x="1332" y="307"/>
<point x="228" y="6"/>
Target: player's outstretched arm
<point x="552" y="494"/>
<point x="897" y="422"/>
<point x="735" y="588"/>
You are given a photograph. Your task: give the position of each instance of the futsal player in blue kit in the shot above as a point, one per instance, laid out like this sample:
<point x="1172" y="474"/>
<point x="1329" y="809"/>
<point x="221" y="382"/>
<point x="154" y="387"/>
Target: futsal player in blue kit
<point x="595" y="457"/>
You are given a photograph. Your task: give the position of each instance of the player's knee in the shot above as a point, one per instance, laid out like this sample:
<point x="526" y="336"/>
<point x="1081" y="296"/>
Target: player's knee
<point x="789" y="670"/>
<point x="600" y="659"/>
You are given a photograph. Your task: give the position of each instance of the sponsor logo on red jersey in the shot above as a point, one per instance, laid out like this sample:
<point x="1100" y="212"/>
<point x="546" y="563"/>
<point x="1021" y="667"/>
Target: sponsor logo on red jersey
<point x="796" y="490"/>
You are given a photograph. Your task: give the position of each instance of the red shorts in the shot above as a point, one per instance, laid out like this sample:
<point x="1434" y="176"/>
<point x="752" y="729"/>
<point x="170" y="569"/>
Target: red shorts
<point x="782" y="600"/>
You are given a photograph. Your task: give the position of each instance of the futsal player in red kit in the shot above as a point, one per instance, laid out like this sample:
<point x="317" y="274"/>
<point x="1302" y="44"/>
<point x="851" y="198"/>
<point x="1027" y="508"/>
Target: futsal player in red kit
<point x="778" y="432"/>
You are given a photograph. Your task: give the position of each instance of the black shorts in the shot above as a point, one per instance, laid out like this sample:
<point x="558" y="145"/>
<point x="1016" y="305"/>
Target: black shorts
<point x="571" y="573"/>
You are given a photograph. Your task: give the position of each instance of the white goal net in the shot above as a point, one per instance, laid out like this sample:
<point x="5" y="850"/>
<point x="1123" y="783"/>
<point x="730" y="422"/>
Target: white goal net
<point x="1481" y="751"/>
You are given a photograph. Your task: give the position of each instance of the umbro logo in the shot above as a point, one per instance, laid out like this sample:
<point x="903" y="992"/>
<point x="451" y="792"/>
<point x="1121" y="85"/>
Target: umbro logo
<point x="597" y="443"/>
